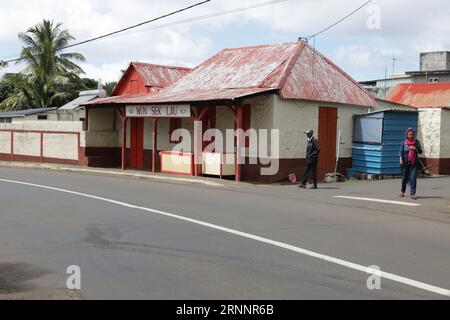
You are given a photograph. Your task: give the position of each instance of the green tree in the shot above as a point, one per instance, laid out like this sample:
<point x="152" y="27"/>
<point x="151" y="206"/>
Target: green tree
<point x="89" y="84"/>
<point x="50" y="75"/>
<point x="109" y="87"/>
<point x="6" y="89"/>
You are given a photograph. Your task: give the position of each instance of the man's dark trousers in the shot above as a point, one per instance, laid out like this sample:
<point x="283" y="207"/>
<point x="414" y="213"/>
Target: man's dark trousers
<point x="310" y="168"/>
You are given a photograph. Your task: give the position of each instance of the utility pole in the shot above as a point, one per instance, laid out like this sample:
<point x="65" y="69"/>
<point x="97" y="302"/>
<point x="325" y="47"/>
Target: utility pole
<point x="394" y="59"/>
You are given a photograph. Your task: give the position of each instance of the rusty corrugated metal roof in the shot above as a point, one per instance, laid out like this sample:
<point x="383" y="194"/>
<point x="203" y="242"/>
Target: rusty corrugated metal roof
<point x="294" y="70"/>
<point x="182" y="96"/>
<point x="154" y="76"/>
<point x="159" y="76"/>
<point x="422" y="95"/>
<point x="314" y="77"/>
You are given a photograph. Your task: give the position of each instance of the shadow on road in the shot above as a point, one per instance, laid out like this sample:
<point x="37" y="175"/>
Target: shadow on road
<point x="15" y="277"/>
<point x="425" y="197"/>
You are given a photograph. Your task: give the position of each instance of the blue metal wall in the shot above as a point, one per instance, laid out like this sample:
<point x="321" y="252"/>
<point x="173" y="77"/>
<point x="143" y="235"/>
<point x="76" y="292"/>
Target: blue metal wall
<point x="381" y="158"/>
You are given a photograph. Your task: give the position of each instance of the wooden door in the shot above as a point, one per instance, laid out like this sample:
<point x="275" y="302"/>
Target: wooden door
<point x="137" y="143"/>
<point x="327" y="139"/>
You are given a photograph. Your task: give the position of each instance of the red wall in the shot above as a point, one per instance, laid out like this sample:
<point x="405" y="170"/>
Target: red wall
<point x="132" y="84"/>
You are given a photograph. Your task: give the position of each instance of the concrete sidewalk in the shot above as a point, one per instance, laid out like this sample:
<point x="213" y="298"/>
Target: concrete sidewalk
<point x="212" y="182"/>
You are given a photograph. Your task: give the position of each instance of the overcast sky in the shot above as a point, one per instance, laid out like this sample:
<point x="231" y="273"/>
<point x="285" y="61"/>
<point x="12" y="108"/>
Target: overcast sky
<point x="406" y="28"/>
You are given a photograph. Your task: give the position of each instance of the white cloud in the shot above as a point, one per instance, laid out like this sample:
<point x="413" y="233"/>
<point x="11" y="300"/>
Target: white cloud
<point x="105" y="72"/>
<point x="407" y="27"/>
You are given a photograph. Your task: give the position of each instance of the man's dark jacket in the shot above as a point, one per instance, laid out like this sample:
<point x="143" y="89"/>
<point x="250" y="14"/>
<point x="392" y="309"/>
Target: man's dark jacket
<point x="313" y="150"/>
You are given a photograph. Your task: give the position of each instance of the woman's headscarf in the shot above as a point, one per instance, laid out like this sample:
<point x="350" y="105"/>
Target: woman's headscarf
<point x="410" y="143"/>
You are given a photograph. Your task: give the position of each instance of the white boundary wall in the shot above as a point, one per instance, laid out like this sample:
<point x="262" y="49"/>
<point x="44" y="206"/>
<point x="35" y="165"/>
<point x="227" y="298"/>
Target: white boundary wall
<point x="59" y="145"/>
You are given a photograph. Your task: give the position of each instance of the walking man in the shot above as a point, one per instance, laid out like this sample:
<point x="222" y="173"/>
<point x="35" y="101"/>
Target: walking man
<point x="312" y="158"/>
<point x="409" y="161"/>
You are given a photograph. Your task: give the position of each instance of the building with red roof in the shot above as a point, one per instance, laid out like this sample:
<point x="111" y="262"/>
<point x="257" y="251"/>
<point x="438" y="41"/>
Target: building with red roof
<point x="289" y="87"/>
<point x="147" y="78"/>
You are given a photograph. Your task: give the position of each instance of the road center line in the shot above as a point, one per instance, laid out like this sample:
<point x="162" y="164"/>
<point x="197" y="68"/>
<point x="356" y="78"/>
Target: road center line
<point x="380" y="200"/>
<point x="351" y="265"/>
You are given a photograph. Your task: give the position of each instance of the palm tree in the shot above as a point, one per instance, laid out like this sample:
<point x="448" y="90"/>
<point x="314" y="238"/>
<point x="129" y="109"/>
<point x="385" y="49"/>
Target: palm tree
<point x="46" y="80"/>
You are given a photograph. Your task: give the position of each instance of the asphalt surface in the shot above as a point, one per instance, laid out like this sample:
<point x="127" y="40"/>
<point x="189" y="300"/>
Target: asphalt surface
<point x="126" y="253"/>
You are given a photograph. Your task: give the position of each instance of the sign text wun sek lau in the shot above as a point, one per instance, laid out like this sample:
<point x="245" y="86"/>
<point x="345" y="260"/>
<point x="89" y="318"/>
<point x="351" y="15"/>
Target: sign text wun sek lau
<point x="162" y="111"/>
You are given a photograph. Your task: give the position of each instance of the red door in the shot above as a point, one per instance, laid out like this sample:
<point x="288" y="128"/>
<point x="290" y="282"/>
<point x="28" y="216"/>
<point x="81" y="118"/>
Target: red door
<point x="137" y="143"/>
<point x="327" y="139"/>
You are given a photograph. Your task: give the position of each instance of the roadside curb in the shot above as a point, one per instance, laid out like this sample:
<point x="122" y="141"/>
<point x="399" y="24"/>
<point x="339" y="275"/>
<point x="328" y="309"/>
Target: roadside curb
<point x="149" y="176"/>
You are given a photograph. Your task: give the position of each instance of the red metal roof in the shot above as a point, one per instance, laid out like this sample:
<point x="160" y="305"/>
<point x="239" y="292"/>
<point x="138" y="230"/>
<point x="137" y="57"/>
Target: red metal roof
<point x="294" y="70"/>
<point x="154" y="76"/>
<point x="422" y="95"/>
<point x="182" y="96"/>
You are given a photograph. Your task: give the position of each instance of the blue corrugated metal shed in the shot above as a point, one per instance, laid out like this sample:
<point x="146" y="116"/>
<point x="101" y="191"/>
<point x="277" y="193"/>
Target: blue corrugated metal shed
<point x="377" y="137"/>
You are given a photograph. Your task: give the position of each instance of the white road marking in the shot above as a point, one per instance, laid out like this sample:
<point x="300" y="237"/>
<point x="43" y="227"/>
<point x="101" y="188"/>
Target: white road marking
<point x="351" y="265"/>
<point x="381" y="201"/>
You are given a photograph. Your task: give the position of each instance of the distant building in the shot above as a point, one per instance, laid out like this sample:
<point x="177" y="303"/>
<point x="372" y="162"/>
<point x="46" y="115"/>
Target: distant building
<point x="433" y="102"/>
<point x="381" y="87"/>
<point x="27" y="115"/>
<point x="434" y="68"/>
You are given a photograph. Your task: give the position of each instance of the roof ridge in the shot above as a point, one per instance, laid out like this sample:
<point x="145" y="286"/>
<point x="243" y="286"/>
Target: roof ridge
<point x="258" y="46"/>
<point x="159" y="65"/>
<point x="291" y="63"/>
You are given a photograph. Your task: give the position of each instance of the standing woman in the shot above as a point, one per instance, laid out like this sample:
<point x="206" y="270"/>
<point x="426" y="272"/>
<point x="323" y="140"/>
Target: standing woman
<point x="409" y="161"/>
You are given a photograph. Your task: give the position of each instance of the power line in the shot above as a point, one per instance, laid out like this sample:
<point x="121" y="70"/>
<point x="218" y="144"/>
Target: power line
<point x="139" y="24"/>
<point x="206" y="16"/>
<point x="125" y="29"/>
<point x="336" y="23"/>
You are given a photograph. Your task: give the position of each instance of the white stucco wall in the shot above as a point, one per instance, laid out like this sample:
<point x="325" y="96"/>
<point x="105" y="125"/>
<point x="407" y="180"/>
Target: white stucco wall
<point x="102" y="119"/>
<point x="66" y="126"/>
<point x="224" y="121"/>
<point x="293" y="117"/>
<point x="445" y="133"/>
<point x="60" y="145"/>
<point x="261" y="118"/>
<point x="430" y="132"/>
<point x="5" y="142"/>
<point x="345" y="125"/>
<point x="50" y="117"/>
<point x="27" y="144"/>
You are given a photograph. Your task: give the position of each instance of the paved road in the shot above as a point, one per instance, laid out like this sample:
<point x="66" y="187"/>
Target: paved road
<point x="126" y="252"/>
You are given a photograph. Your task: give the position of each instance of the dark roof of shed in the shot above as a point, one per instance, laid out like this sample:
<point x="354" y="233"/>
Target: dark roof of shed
<point x="387" y="111"/>
<point x="24" y="113"/>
